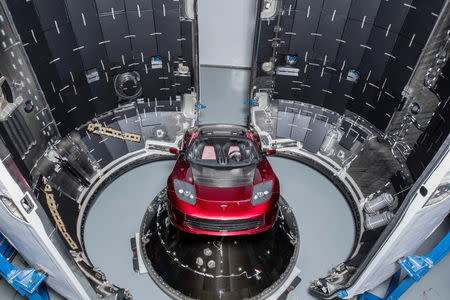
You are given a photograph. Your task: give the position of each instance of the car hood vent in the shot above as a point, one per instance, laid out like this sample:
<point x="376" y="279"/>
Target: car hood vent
<point x="212" y="177"/>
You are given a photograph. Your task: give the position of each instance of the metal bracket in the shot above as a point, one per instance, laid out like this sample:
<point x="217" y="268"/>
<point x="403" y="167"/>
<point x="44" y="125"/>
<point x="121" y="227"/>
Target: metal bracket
<point x="26" y="282"/>
<point x="415" y="267"/>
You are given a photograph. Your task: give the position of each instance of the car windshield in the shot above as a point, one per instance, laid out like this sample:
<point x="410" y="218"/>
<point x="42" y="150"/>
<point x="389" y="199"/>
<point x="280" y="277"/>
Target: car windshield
<point x="223" y="152"/>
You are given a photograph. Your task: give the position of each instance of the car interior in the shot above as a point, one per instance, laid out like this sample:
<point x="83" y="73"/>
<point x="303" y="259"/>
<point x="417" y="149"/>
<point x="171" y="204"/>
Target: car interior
<point x="223" y="151"/>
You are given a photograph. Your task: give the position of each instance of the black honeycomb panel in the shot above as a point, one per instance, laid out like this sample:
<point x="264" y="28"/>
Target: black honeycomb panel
<point x="167" y="23"/>
<point x="383" y="112"/>
<point x="431" y="6"/>
<point x="285" y="120"/>
<point x="88" y="33"/>
<point x="391" y="14"/>
<point x="316" y="133"/>
<point x="355" y="39"/>
<point x="184" y="83"/>
<point x="28" y="13"/>
<point x="286" y="25"/>
<point x="104" y="93"/>
<point x="142" y="26"/>
<point x="358" y="105"/>
<point x="186" y="43"/>
<point x="167" y="4"/>
<point x="418" y="23"/>
<point x="319" y="86"/>
<point x="49" y="12"/>
<point x="286" y="88"/>
<point x="116" y="147"/>
<point x="363" y="8"/>
<point x="115" y="30"/>
<point x="315" y="5"/>
<point x="111" y="36"/>
<point x="151" y="85"/>
<point x="331" y="28"/>
<point x="61" y="47"/>
<point x="300" y="128"/>
<point x="83" y="112"/>
<point x="265" y="43"/>
<point x="382" y="40"/>
<point x="289" y="4"/>
<point x="132" y="5"/>
<point x="397" y="76"/>
<point x="98" y="150"/>
<point x="304" y="22"/>
<point x="338" y="101"/>
<point x="38" y="52"/>
<point x="350" y="135"/>
<point x="341" y="6"/>
<point x="106" y="6"/>
<point x="406" y="53"/>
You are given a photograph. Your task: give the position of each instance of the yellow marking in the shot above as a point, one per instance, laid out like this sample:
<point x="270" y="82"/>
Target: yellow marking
<point x="51" y="203"/>
<point x="99" y="129"/>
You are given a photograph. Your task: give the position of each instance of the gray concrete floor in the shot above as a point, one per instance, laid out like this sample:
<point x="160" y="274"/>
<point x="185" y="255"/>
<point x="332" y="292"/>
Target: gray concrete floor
<point x="115" y="218"/>
<point x="324" y="219"/>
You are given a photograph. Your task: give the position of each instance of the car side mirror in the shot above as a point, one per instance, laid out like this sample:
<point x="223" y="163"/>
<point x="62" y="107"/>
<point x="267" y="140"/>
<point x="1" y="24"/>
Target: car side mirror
<point x="271" y="152"/>
<point x="174" y="151"/>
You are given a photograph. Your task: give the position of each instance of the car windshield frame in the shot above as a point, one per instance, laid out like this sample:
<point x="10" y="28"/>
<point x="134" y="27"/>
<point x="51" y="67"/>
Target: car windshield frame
<point x="216" y="163"/>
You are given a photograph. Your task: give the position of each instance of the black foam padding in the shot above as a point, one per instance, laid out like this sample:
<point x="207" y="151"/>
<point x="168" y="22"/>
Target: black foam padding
<point x="284" y="124"/>
<point x="300" y="128"/>
<point x="314" y="138"/>
<point x="98" y="150"/>
<point x="65" y="39"/>
<point x="382" y="40"/>
<point x="116" y="147"/>
<point x="351" y="134"/>
<point x="348" y="140"/>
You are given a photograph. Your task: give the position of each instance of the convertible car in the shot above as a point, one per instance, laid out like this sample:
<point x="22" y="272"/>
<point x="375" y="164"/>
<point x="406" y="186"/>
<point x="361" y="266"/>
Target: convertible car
<point x="222" y="183"/>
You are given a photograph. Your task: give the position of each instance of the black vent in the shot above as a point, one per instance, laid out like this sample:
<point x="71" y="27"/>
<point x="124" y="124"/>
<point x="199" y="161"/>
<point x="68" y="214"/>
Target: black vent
<point x="214" y="225"/>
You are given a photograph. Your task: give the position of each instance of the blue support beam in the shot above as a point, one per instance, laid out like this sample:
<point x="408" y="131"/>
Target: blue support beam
<point x="415" y="267"/>
<point x="28" y="282"/>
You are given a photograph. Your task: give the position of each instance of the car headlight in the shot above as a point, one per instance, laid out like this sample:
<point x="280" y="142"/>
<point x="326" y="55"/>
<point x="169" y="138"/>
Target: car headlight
<point x="185" y="191"/>
<point x="262" y="192"/>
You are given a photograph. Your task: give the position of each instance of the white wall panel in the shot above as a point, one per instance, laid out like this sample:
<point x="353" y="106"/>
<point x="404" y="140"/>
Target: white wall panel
<point x="226" y="31"/>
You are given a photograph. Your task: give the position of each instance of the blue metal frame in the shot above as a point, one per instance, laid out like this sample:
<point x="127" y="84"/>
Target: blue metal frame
<point x="415" y="267"/>
<point x="28" y="282"/>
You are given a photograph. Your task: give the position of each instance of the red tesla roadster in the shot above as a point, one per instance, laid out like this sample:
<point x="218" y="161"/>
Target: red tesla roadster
<point x="222" y="183"/>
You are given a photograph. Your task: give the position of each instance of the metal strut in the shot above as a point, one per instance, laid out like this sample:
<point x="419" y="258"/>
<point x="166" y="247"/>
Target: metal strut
<point x="28" y="282"/>
<point x="415" y="267"/>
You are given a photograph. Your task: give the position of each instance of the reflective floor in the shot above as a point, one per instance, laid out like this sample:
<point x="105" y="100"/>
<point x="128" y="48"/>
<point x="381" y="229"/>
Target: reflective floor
<point x="323" y="217"/>
<point x="214" y="267"/>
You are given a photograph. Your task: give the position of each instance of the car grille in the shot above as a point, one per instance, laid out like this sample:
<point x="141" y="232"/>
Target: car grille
<point x="217" y="225"/>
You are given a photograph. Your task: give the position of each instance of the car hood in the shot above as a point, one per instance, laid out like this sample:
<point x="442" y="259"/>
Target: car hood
<point x="215" y="194"/>
<point x="214" y="184"/>
<point x="223" y="178"/>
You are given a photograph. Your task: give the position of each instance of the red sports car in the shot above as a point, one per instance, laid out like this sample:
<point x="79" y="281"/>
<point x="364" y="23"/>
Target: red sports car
<point x="222" y="183"/>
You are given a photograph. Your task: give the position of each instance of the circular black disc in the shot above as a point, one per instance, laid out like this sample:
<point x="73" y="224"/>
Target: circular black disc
<point x="187" y="265"/>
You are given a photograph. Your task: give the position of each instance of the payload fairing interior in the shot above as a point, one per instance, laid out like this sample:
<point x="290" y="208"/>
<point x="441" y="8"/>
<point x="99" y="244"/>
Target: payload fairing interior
<point x="349" y="98"/>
